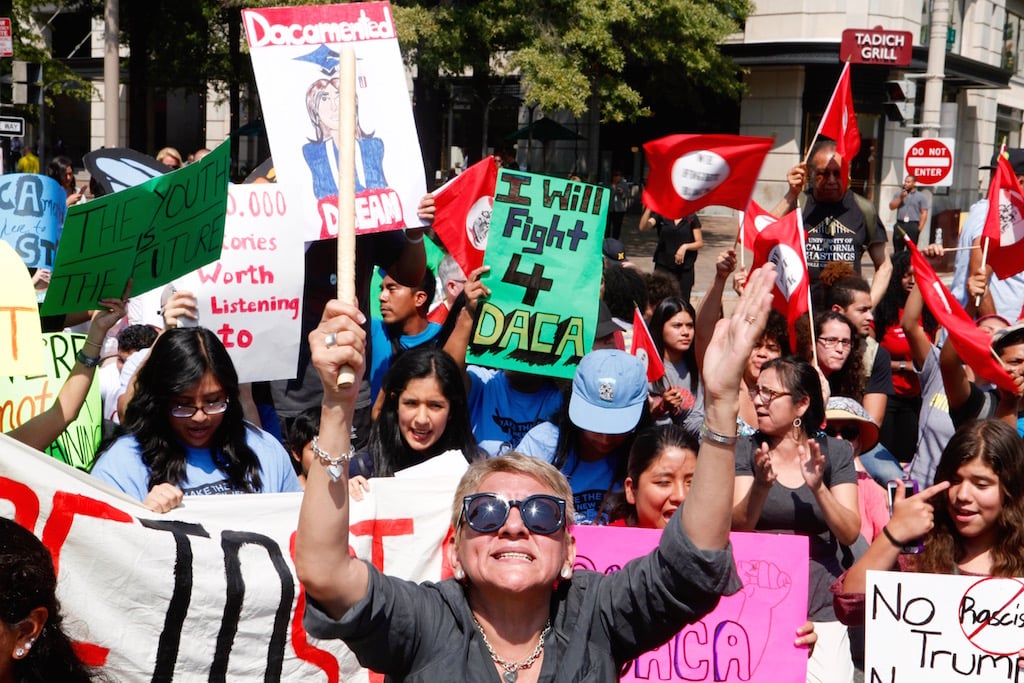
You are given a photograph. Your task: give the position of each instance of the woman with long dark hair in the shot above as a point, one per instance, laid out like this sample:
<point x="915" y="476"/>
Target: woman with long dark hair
<point x="33" y="645"/>
<point x="840" y="355"/>
<point x="971" y="520"/>
<point x="185" y="430"/>
<point x="424" y="414"/>
<point x="678" y="395"/>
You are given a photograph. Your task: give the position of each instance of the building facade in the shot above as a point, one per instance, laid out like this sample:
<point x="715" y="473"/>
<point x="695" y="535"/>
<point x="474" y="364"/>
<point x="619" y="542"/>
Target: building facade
<point x="791" y="50"/>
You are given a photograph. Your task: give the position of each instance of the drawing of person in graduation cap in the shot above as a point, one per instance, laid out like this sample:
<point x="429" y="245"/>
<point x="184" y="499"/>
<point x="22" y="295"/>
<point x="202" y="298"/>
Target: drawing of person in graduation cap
<point x="321" y="152"/>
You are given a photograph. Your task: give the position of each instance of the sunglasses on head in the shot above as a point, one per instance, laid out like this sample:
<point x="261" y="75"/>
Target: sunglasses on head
<point x="485" y="513"/>
<point x="847" y="432"/>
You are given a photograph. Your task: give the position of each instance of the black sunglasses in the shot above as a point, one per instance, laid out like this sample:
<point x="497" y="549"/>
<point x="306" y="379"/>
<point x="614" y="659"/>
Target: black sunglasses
<point x="848" y="432"/>
<point x="485" y="513"/>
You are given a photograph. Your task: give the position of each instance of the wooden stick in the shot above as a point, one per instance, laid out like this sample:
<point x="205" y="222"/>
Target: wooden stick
<point x="347" y="189"/>
<point x="948" y="249"/>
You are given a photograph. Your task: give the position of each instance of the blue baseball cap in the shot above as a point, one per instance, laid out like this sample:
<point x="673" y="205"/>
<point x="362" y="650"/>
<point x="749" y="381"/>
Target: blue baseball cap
<point x="609" y="390"/>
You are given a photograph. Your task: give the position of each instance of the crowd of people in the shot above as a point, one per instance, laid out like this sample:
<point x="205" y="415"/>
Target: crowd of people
<point x="803" y="429"/>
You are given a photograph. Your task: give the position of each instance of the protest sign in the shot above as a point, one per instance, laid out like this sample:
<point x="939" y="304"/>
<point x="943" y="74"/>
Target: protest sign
<point x="749" y="636"/>
<point x="942" y="628"/>
<point x="32" y="209"/>
<point x="222" y="566"/>
<point x="208" y="590"/>
<point x="150" y="233"/>
<point x="22" y="398"/>
<point x="20" y="328"/>
<point x="252" y="297"/>
<point x="544" y="250"/>
<point x="295" y="56"/>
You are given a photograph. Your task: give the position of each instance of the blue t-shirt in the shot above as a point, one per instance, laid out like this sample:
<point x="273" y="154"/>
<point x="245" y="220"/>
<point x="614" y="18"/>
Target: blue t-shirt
<point x="500" y="415"/>
<point x="121" y="466"/>
<point x="590" y="480"/>
<point x="380" y="350"/>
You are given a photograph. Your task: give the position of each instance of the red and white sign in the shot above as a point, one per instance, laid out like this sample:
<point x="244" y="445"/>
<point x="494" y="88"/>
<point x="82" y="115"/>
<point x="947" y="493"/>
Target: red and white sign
<point x="6" y="38"/>
<point x="930" y="160"/>
<point x="876" y="46"/>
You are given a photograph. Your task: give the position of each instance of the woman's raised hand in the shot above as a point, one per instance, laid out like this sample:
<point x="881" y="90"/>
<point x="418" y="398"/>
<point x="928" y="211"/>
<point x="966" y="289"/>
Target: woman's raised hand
<point x="734" y="337"/>
<point x="339" y="340"/>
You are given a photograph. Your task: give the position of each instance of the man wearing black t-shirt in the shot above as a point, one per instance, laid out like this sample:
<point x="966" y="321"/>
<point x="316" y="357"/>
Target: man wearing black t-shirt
<point x="840" y="225"/>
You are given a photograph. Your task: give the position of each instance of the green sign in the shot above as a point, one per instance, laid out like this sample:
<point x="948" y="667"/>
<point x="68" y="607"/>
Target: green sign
<point x="544" y="250"/>
<point x="23" y="398"/>
<point x="152" y="233"/>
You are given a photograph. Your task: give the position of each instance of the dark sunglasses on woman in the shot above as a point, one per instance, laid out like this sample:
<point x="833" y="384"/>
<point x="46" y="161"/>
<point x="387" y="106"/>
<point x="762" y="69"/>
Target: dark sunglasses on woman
<point x="485" y="513"/>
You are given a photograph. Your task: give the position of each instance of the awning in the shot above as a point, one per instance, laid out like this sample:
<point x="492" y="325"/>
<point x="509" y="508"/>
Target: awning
<point x="961" y="72"/>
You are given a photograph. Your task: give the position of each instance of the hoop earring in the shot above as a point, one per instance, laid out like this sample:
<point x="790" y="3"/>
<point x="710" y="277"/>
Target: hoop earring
<point x="797" y="422"/>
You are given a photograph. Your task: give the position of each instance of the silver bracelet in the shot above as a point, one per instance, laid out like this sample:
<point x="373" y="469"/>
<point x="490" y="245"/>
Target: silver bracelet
<point x="333" y="465"/>
<point x="412" y="240"/>
<point x="708" y="434"/>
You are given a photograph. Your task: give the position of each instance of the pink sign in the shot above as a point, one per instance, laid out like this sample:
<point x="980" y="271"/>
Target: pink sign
<point x="749" y="636"/>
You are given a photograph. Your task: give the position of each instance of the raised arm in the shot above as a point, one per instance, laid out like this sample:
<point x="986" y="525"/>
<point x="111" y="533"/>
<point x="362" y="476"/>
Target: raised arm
<point x="458" y="340"/>
<point x="710" y="308"/>
<point x="707" y="516"/>
<point x="919" y="343"/>
<point x="43" y="429"/>
<point x="322" y="562"/>
<point x="883" y="271"/>
<point x="646" y="220"/>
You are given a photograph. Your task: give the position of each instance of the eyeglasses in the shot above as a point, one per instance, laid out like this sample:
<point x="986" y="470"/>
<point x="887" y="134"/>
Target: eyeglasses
<point x="211" y="408"/>
<point x="485" y="513"/>
<point x="832" y="342"/>
<point x="846" y="432"/>
<point x="767" y="395"/>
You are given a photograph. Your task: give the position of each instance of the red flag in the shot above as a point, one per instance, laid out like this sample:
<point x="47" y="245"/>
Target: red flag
<point x="973" y="344"/>
<point x="689" y="172"/>
<point x="755" y="219"/>
<point x="1004" y="226"/>
<point x="782" y="244"/>
<point x="643" y="348"/>
<point x="463" y="213"/>
<point x="839" y="121"/>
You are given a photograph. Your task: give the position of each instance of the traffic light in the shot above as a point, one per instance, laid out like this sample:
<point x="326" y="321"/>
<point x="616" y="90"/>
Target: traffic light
<point x="899" y="104"/>
<point x="27" y="79"/>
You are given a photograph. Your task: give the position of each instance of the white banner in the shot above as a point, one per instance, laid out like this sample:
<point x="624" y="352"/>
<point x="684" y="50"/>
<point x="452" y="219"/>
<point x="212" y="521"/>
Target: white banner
<point x="295" y="56"/>
<point x="252" y="297"/>
<point x="942" y="628"/>
<point x="207" y="591"/>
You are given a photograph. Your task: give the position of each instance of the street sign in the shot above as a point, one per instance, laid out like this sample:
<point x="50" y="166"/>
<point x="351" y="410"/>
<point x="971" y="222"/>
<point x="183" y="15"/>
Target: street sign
<point x="930" y="160"/>
<point x="6" y="38"/>
<point x="12" y="127"/>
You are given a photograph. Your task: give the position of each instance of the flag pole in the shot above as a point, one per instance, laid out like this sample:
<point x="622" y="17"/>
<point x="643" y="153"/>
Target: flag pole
<point x="810" y="305"/>
<point x="347" y="190"/>
<point x="741" y="242"/>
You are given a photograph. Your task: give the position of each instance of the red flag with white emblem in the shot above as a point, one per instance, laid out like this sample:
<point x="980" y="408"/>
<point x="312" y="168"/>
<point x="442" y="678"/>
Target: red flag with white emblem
<point x="782" y="243"/>
<point x="1004" y="226"/>
<point x="755" y="219"/>
<point x="462" y="214"/>
<point x="689" y="172"/>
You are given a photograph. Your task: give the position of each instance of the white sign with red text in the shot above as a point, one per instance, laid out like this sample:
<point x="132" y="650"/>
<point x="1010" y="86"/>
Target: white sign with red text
<point x="295" y="56"/>
<point x="929" y="160"/>
<point x="252" y="297"/>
